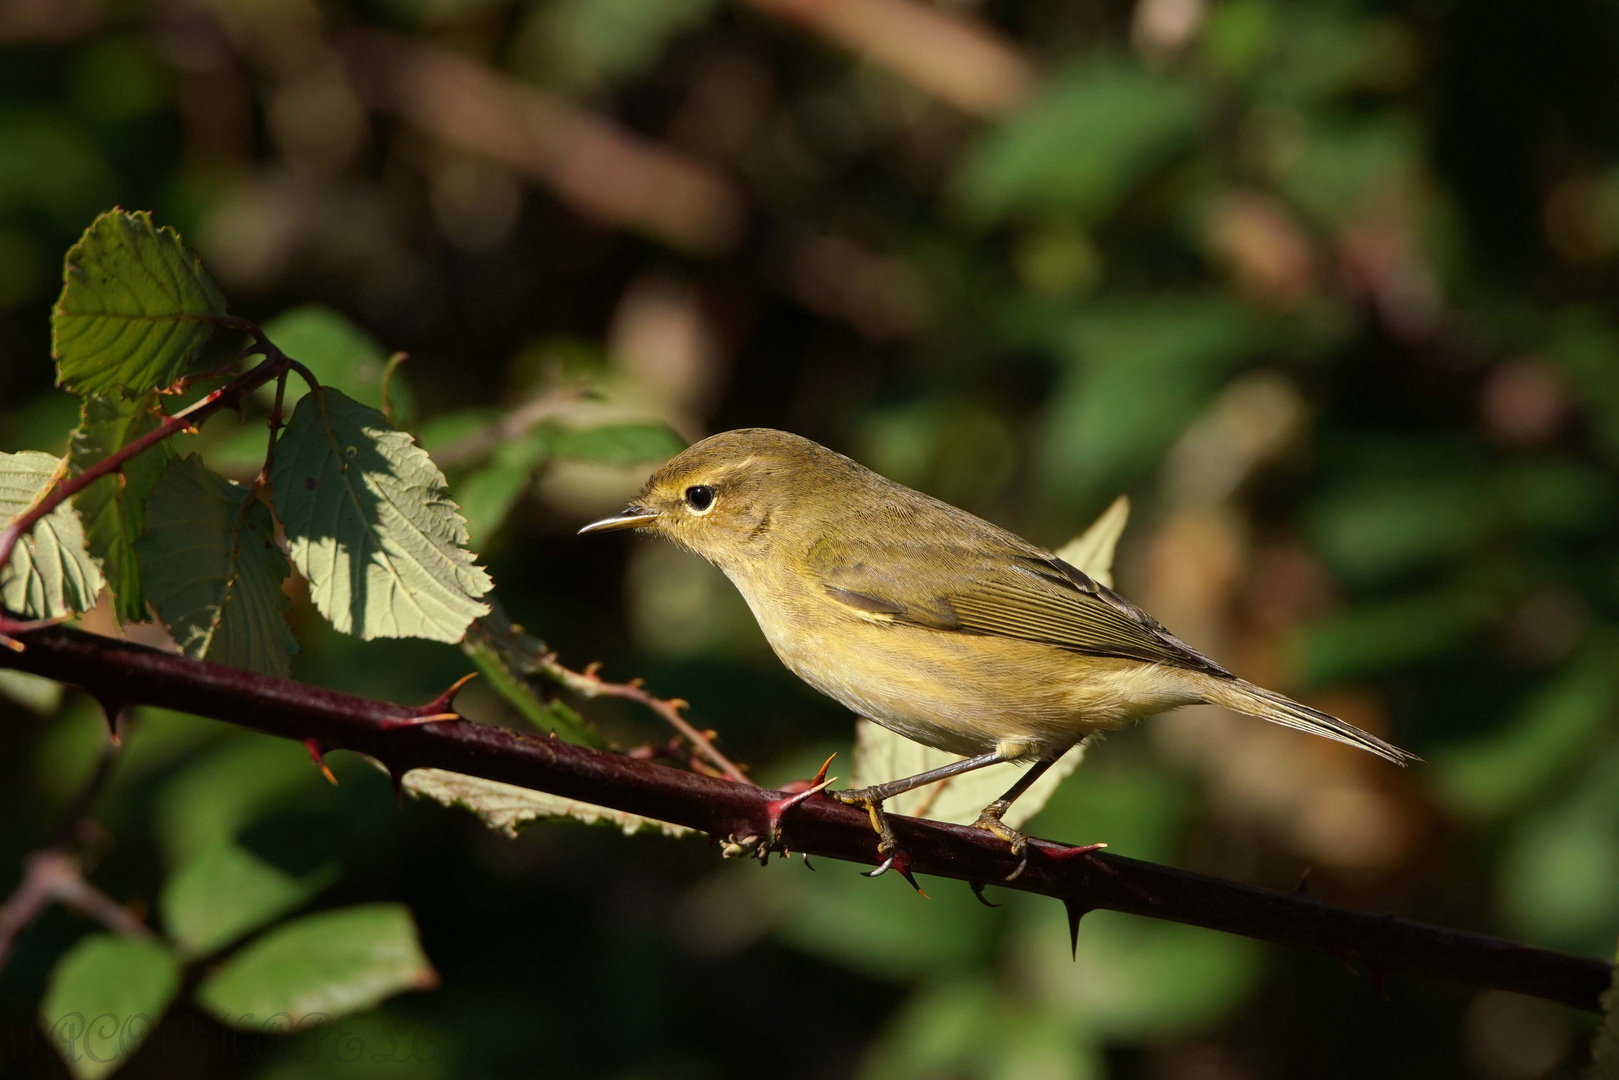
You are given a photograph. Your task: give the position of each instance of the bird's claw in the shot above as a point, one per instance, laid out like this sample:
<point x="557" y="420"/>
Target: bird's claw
<point x="888" y="849"/>
<point x="991" y="823"/>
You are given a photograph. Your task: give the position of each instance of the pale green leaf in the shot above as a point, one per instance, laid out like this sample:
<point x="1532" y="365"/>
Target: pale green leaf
<point x="1091" y="552"/>
<point x="617" y="444"/>
<point x="50" y="572"/>
<point x="227" y="892"/>
<point x="36" y="694"/>
<point x="319" y="968"/>
<point x="135" y="310"/>
<point x="509" y="808"/>
<point x="114" y="507"/>
<point x="369" y="524"/>
<point x="881" y="755"/>
<point x="340" y="354"/>
<point x="104" y="998"/>
<point x="213" y="570"/>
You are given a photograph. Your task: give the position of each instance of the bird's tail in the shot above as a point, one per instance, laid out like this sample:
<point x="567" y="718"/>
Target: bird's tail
<point x="1245" y="697"/>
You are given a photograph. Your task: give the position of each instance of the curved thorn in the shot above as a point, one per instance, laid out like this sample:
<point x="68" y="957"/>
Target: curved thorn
<point x="978" y="891"/>
<point x="908" y="876"/>
<point x="320" y="761"/>
<point x="442" y="703"/>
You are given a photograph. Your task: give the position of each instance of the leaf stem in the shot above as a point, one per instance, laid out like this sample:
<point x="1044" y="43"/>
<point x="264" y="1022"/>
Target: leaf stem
<point x="276" y="363"/>
<point x="588" y="684"/>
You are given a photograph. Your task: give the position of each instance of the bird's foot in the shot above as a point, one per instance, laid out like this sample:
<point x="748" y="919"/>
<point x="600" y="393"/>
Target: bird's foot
<point x="888" y="849"/>
<point x="990" y="821"/>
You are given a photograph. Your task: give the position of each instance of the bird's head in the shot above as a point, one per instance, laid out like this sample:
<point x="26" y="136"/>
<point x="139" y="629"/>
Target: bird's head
<point x="731" y="497"/>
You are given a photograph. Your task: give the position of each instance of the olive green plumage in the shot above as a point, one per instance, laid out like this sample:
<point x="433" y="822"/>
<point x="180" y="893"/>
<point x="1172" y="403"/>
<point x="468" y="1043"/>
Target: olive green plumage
<point x="927" y="619"/>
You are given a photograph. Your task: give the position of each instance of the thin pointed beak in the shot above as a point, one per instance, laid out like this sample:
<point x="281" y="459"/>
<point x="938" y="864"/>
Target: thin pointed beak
<point x="634" y="517"/>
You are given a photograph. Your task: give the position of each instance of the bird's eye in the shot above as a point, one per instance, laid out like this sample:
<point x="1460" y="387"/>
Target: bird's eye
<point x="700" y="497"/>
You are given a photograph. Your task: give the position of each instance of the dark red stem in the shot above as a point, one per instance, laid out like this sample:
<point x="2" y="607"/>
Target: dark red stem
<point x="226" y="397"/>
<point x="335" y="721"/>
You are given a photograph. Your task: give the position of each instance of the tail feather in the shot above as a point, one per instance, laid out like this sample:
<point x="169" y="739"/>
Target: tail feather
<point x="1245" y="697"/>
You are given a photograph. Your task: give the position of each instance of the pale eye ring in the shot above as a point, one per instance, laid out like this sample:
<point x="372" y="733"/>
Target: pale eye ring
<point x="700" y="498"/>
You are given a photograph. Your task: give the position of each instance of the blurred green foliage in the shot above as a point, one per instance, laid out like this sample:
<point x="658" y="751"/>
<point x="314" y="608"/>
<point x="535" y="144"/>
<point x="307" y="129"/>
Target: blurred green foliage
<point x="1397" y="221"/>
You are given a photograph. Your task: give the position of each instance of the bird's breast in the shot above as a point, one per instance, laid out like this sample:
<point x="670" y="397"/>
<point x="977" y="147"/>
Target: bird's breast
<point x="963" y="693"/>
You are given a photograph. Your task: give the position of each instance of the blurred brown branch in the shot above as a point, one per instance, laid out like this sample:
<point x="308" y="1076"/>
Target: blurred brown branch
<point x="602" y="170"/>
<point x="956" y="59"/>
<point x="56" y="874"/>
<point x="329" y="720"/>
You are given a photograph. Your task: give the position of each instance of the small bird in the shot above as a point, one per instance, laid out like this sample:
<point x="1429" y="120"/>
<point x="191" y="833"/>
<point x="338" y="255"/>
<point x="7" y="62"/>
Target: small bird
<point x="930" y="621"/>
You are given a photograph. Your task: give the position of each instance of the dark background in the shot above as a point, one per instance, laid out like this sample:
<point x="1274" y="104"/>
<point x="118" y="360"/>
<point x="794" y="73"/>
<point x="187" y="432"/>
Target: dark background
<point x="1326" y="287"/>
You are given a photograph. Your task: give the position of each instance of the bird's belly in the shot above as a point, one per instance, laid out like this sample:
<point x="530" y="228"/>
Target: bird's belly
<point x="970" y="694"/>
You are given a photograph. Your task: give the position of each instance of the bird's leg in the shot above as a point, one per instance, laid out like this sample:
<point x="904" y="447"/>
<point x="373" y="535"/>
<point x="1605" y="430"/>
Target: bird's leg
<point x="871" y="798"/>
<point x="990" y="819"/>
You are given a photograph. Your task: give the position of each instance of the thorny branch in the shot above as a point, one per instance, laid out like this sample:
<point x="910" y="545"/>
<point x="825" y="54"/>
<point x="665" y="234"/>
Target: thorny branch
<point x="724" y="809"/>
<point x="589" y="684"/>
<point x="275" y="365"/>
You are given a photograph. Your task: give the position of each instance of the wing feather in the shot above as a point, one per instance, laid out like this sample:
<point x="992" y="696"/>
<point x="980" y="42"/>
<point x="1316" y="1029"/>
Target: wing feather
<point x="1018" y="593"/>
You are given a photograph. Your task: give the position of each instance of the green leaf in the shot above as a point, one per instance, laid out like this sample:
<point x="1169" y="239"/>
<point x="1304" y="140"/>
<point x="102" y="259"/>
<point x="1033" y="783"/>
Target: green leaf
<point x="38" y="695"/>
<point x="488" y="494"/>
<point x="508" y="808"/>
<point x="969" y="1027"/>
<point x="370" y="526"/>
<point x="114" y="507"/>
<point x="953" y="1029"/>
<point x="1605" y="1044"/>
<point x="589" y="41"/>
<point x="227" y="892"/>
<point x="1558" y="874"/>
<point x="881" y="755"/>
<point x="104" y="998"/>
<point x="1135" y="979"/>
<point x="889" y="933"/>
<point x="1137" y="374"/>
<point x="1092" y="135"/>
<point x="217" y="796"/>
<point x="136" y="308"/>
<point x="617" y="444"/>
<point x="1502" y="771"/>
<point x="507" y="657"/>
<point x="213" y="570"/>
<point x="1377" y="637"/>
<point x="50" y="572"/>
<point x="320" y="967"/>
<point x="340" y="354"/>
<point x="447" y="429"/>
